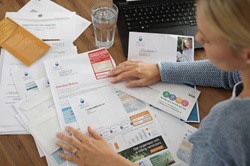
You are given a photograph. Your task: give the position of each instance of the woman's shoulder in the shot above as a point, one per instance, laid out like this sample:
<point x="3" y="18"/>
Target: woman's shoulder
<point x="236" y="106"/>
<point x="226" y="129"/>
<point x="226" y="115"/>
<point x="230" y="114"/>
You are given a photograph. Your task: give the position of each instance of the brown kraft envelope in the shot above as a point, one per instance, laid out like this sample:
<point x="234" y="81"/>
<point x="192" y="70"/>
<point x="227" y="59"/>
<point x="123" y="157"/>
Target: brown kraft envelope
<point x="19" y="42"/>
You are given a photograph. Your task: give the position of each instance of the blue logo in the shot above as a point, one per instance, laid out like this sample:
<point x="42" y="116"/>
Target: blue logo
<point x="26" y="74"/>
<point x="82" y="101"/>
<point x="140" y="38"/>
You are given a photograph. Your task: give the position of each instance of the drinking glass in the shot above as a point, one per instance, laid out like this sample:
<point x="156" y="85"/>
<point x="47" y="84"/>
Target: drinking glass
<point x="104" y="17"/>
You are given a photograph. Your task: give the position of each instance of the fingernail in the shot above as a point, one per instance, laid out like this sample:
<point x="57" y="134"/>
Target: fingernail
<point x="67" y="128"/>
<point x="58" y="134"/>
<point x="127" y="84"/>
<point x="57" y="143"/>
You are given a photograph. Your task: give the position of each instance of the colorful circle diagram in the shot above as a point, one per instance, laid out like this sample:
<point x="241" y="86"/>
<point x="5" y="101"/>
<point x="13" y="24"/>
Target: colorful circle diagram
<point x="166" y="94"/>
<point x="173" y="97"/>
<point x="178" y="100"/>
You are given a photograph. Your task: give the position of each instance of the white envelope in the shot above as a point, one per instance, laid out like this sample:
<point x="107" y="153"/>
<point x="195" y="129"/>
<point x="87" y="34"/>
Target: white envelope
<point x="39" y="116"/>
<point x="47" y="25"/>
<point x="36" y="6"/>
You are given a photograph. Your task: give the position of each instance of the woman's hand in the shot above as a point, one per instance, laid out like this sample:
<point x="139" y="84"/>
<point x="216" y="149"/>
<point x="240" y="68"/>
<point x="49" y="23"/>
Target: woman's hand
<point x="139" y="73"/>
<point x="87" y="151"/>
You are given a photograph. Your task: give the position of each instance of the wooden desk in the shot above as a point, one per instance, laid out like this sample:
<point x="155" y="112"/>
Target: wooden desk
<point x="20" y="149"/>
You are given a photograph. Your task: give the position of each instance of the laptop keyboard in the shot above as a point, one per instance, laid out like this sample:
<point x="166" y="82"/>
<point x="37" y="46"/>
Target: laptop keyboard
<point x="160" y="15"/>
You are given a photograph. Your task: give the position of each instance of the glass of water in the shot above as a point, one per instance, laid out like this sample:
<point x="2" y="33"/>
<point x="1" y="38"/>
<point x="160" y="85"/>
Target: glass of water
<point x="104" y="17"/>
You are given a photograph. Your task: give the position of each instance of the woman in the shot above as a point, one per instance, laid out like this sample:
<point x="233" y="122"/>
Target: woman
<point x="187" y="50"/>
<point x="224" y="135"/>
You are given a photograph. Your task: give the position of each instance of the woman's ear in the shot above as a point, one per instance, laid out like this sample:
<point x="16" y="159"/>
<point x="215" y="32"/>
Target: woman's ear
<point x="246" y="55"/>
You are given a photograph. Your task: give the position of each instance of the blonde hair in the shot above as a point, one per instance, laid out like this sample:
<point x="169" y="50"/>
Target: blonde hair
<point x="228" y="18"/>
<point x="183" y="46"/>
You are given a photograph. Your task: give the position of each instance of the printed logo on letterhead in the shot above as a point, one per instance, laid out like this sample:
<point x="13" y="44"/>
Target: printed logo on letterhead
<point x="25" y="74"/>
<point x="140" y="38"/>
<point x="140" y="41"/>
<point x="40" y="15"/>
<point x="57" y="66"/>
<point x="82" y="104"/>
<point x="82" y="101"/>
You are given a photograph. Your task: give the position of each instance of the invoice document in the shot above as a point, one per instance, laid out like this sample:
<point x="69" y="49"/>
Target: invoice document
<point x="72" y="76"/>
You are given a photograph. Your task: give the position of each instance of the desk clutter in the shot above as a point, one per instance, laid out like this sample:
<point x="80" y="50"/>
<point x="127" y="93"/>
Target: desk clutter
<point x="64" y="88"/>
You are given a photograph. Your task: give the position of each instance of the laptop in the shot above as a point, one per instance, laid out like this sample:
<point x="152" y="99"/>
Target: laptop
<point x="156" y="16"/>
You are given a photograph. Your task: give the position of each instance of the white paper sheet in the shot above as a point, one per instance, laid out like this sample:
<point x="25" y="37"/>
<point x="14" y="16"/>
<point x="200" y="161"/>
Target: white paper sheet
<point x="8" y="90"/>
<point x="97" y="108"/>
<point x="177" y="131"/>
<point x="153" y="47"/>
<point x="35" y="6"/>
<point x="47" y="25"/>
<point x="39" y="116"/>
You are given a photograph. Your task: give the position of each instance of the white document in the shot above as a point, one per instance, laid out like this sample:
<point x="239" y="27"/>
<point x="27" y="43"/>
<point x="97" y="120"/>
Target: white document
<point x="36" y="6"/>
<point x="47" y="25"/>
<point x="127" y="125"/>
<point x="1" y="65"/>
<point x="97" y="108"/>
<point x="153" y="47"/>
<point x="25" y="79"/>
<point x="8" y="90"/>
<point x="43" y="128"/>
<point x="73" y="76"/>
<point x="178" y="133"/>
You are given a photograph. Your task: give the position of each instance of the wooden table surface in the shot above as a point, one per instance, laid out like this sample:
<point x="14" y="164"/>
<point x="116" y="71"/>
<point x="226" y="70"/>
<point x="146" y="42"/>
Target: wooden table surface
<point x="20" y="150"/>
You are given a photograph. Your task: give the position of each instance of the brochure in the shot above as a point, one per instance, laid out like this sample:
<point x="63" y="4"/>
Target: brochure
<point x="175" y="99"/>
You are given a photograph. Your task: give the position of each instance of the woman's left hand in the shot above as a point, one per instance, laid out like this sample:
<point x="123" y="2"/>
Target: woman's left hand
<point x="87" y="151"/>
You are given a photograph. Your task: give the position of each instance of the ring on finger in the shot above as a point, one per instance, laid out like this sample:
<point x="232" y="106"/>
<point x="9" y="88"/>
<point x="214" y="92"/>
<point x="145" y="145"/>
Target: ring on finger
<point x="74" y="151"/>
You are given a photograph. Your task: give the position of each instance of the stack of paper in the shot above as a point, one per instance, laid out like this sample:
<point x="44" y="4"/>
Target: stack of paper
<point x="52" y="23"/>
<point x="26" y="102"/>
<point x="46" y="111"/>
